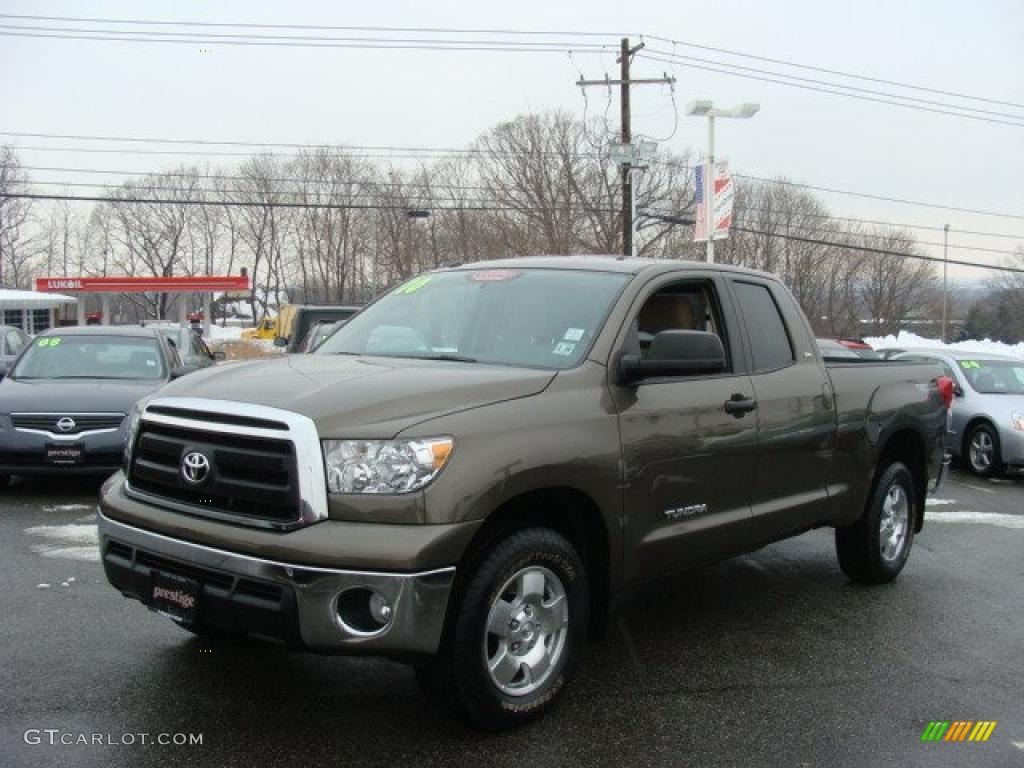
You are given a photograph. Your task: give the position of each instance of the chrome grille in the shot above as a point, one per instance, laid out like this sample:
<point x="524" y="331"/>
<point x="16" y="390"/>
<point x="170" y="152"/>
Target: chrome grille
<point x="80" y="422"/>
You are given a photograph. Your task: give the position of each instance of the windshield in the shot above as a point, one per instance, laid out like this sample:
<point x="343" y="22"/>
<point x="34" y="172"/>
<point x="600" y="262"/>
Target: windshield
<point x="523" y="317"/>
<point x="994" y="377"/>
<point x="91" y="357"/>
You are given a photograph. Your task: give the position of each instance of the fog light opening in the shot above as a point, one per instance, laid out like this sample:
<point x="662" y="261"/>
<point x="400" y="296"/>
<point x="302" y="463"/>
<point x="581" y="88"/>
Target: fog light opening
<point x="363" y="611"/>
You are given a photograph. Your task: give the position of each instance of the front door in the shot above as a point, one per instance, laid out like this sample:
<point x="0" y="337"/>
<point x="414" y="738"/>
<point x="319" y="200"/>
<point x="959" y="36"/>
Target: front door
<point x="688" y="463"/>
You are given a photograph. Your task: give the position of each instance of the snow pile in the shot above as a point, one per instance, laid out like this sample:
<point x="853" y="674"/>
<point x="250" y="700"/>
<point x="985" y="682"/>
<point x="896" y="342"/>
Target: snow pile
<point x="905" y="340"/>
<point x="227" y="333"/>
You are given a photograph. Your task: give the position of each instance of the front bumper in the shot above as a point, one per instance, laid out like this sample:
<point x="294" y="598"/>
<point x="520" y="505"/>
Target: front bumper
<point x="24" y="453"/>
<point x="297" y="604"/>
<point x="1011" y="446"/>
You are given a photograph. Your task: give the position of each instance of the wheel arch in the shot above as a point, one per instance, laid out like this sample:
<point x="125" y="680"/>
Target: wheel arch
<point x="906" y="446"/>
<point x="573" y="514"/>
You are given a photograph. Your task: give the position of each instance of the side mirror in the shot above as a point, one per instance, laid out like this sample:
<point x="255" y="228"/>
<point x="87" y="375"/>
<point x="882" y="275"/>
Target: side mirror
<point x="675" y="353"/>
<point x="958" y="391"/>
<point x="218" y="355"/>
<point x="183" y="370"/>
<point x="280" y="341"/>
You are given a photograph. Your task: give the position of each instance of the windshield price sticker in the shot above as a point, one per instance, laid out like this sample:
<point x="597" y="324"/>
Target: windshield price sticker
<point x="414" y="285"/>
<point x="968" y="364"/>
<point x="564" y="348"/>
<point x="573" y="334"/>
<point x="494" y="275"/>
<point x="48" y="342"/>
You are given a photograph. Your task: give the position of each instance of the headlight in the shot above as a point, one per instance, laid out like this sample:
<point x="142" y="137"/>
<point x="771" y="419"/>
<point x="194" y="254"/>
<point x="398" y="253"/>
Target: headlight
<point x="384" y="466"/>
<point x="133" y="429"/>
<point x="1017" y="419"/>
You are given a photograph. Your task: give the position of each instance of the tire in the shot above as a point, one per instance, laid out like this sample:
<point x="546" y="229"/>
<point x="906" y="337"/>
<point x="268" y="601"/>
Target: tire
<point x="522" y="611"/>
<point x="982" y="452"/>
<point x="875" y="549"/>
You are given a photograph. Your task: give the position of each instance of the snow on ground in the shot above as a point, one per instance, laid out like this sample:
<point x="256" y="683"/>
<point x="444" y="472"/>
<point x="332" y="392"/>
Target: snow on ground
<point x="977" y="518"/>
<point x="906" y="340"/>
<point x="226" y="333"/>
<point x="66" y="542"/>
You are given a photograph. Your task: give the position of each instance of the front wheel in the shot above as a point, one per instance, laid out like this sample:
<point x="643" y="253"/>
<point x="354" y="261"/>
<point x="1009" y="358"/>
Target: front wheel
<point x="983" y="451"/>
<point x="875" y="549"/>
<point x="515" y="634"/>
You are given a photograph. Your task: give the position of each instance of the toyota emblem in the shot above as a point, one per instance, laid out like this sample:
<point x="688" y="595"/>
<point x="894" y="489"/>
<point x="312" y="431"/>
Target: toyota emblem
<point x="65" y="424"/>
<point x="195" y="467"/>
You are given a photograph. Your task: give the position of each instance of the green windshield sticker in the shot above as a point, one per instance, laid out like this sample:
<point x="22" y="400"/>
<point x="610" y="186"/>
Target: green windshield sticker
<point x="49" y="342"/>
<point x="968" y="364"/>
<point x="414" y="285"/>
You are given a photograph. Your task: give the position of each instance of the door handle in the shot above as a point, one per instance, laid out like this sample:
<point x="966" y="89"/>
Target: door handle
<point x="739" y="405"/>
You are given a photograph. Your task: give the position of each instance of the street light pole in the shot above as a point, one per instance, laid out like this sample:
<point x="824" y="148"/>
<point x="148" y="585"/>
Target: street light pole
<point x="707" y="109"/>
<point x="709" y="186"/>
<point x="945" y="266"/>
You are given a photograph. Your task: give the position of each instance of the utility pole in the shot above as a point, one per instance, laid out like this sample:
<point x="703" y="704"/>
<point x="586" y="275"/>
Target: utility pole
<point x="626" y="53"/>
<point x="945" y="265"/>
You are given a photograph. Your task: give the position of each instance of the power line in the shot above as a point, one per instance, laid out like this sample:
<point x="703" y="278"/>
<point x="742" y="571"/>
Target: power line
<point x="267" y="204"/>
<point x="349" y="28"/>
<point x="673" y="219"/>
<point x="426" y="46"/>
<point x="883" y="222"/>
<point x="883" y="198"/>
<point x="515" y="33"/>
<point x="855" y="89"/>
<point x="831" y="90"/>
<point x="841" y="73"/>
<point x="288" y="145"/>
<point x="412" y="184"/>
<point x="218" y="37"/>
<point x="356" y="150"/>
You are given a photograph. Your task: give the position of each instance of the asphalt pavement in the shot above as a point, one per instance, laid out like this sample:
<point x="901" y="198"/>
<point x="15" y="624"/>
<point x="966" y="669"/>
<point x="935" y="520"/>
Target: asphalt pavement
<point x="772" y="659"/>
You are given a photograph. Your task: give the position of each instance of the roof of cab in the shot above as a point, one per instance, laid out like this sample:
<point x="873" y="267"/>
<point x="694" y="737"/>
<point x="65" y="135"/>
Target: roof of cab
<point x="604" y="263"/>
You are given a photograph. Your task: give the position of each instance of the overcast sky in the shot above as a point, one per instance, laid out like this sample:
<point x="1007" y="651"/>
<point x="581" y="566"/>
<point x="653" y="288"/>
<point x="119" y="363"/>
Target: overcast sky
<point x="428" y="98"/>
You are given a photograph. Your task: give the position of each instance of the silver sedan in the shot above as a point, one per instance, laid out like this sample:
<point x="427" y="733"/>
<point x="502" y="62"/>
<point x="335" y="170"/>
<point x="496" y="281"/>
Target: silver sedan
<point x="987" y="430"/>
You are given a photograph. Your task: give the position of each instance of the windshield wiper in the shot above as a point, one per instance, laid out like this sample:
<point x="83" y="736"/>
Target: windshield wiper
<point x="448" y="358"/>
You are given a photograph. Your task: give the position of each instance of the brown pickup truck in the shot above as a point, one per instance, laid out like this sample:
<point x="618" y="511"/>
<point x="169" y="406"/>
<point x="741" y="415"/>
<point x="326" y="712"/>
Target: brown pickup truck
<point x="469" y="472"/>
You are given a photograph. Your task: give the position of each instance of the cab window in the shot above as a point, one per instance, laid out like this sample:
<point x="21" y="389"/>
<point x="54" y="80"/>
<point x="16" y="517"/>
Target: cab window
<point x="690" y="305"/>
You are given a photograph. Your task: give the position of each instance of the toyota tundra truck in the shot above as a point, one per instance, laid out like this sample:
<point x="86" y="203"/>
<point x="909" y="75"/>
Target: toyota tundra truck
<point x="469" y="472"/>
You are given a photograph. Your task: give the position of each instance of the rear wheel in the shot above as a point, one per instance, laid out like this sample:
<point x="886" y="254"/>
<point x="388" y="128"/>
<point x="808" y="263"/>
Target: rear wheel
<point x="515" y="634"/>
<point x="875" y="549"/>
<point x="983" y="456"/>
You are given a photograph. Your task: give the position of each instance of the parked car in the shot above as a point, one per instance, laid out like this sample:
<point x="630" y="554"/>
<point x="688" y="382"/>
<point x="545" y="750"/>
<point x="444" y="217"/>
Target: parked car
<point x="64" y="405"/>
<point x="190" y="345"/>
<point x="470" y="470"/>
<point x="858" y="346"/>
<point x="987" y="427"/>
<point x="833" y="350"/>
<point x="12" y="341"/>
<point x="318" y="332"/>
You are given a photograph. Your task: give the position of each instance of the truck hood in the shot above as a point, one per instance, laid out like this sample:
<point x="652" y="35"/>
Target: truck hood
<point x="362" y="397"/>
<point x="73" y="395"/>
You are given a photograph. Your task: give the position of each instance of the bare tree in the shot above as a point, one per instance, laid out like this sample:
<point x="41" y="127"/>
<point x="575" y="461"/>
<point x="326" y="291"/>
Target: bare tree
<point x="17" y="249"/>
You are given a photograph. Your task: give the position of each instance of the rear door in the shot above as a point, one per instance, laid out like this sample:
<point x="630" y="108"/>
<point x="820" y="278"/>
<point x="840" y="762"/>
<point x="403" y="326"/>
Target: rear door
<point x="795" y="411"/>
<point x="688" y="464"/>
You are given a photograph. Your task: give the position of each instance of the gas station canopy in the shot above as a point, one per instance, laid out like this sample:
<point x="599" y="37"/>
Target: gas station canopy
<point x="183" y="284"/>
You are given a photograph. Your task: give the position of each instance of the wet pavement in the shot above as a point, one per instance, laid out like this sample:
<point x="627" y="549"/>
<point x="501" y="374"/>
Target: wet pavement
<point x="769" y="659"/>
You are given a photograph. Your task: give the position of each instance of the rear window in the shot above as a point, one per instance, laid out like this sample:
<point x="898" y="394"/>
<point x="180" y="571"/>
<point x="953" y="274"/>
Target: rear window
<point x="769" y="340"/>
